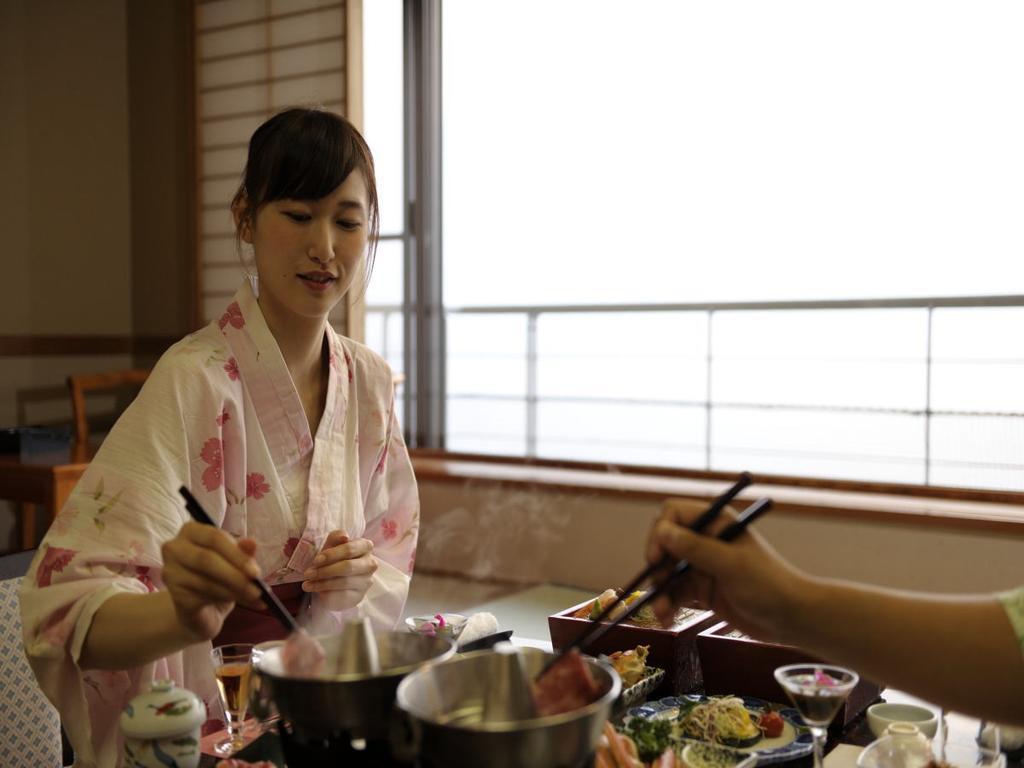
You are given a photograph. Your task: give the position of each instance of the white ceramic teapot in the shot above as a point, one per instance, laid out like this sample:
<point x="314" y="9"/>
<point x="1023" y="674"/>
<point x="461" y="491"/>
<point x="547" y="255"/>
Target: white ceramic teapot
<point x="162" y="727"/>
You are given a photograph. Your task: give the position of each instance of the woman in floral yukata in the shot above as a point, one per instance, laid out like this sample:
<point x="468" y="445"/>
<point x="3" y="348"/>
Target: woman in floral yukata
<point x="285" y="432"/>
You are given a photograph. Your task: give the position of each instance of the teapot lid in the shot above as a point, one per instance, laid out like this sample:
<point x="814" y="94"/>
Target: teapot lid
<point x="164" y="710"/>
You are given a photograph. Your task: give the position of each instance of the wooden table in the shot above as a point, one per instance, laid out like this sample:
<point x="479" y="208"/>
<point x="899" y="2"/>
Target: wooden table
<point x="42" y="474"/>
<point x="962" y="729"/>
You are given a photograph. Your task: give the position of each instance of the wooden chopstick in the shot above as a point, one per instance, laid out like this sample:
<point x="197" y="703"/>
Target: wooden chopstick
<point x="195" y="509"/>
<point x="707" y="517"/>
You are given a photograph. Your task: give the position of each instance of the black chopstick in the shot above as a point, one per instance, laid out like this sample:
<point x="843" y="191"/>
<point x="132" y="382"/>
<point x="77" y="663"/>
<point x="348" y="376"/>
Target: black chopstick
<point x="707" y="517"/>
<point x="749" y="515"/>
<point x="273" y="603"/>
<point x="698" y="525"/>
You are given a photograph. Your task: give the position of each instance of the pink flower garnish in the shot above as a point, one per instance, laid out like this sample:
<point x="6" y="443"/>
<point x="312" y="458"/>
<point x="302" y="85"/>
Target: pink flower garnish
<point x="427" y="628"/>
<point x="820" y="678"/>
<point x="440" y="620"/>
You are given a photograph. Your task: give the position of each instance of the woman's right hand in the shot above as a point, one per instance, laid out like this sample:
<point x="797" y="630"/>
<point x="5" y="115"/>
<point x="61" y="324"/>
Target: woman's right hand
<point x="206" y="572"/>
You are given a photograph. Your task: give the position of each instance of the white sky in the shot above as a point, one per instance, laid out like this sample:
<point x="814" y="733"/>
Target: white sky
<point x="600" y="151"/>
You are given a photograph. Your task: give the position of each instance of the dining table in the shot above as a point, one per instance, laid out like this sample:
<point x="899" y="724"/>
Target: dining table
<point x="841" y="749"/>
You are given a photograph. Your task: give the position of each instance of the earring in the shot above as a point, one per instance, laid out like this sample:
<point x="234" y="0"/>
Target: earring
<point x="248" y="257"/>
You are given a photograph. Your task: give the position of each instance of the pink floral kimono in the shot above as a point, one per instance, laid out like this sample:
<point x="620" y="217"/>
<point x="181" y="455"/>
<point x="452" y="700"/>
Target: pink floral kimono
<point x="221" y="415"/>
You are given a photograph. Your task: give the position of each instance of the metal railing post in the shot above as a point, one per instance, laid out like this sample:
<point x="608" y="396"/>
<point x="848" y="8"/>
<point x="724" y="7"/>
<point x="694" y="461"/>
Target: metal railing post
<point x="707" y="406"/>
<point x="928" y="401"/>
<point x="531" y="384"/>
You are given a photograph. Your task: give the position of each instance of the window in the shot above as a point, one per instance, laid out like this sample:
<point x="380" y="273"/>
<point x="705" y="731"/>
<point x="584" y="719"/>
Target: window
<point x="780" y="237"/>
<point x="384" y="120"/>
<point x="766" y="236"/>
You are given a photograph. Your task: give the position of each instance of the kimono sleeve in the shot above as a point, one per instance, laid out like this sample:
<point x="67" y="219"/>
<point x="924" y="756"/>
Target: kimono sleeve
<point x="106" y="541"/>
<point x="392" y="511"/>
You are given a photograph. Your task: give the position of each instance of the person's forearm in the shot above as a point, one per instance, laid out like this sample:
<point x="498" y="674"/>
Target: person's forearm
<point x="958" y="652"/>
<point x="130" y="630"/>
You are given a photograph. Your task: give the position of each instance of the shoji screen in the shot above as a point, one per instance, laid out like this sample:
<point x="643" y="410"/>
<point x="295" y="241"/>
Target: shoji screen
<point x="253" y="58"/>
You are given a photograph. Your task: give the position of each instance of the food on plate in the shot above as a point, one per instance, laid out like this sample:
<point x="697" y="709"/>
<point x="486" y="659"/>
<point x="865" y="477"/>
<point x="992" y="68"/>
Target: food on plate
<point x="567" y="686"/>
<point x="593" y="609"/>
<point x="630" y="665"/>
<point x="698" y="755"/>
<point x="619" y="750"/>
<point x="431" y="627"/>
<point x="302" y="655"/>
<point x="771" y="724"/>
<point x="652" y="737"/>
<point x="718" y="720"/>
<point x="644" y="618"/>
<point x="616" y="750"/>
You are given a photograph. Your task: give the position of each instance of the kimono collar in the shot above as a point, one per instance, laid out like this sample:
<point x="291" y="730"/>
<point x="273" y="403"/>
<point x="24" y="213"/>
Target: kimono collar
<point x="265" y="375"/>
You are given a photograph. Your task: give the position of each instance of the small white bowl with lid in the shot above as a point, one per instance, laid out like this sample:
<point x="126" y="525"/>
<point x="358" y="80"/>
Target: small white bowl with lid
<point x="163" y="724"/>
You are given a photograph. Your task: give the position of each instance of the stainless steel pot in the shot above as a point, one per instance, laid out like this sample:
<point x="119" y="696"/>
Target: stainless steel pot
<point x="446" y="704"/>
<point x="358" y="704"/>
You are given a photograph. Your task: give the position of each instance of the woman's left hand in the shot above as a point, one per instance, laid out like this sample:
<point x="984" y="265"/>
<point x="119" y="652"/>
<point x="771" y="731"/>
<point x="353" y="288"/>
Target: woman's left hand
<point x="343" y="566"/>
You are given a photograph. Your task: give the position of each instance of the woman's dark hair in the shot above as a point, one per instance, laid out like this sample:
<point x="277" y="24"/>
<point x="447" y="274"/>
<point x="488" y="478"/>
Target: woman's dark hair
<point x="304" y="154"/>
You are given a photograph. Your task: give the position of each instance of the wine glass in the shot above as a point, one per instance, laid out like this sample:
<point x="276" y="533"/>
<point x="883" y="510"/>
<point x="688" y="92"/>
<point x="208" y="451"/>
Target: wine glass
<point x="232" y="665"/>
<point x="817" y="691"/>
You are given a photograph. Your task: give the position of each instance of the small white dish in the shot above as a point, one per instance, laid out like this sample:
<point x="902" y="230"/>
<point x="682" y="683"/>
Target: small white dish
<point x="451" y="627"/>
<point x="881" y="716"/>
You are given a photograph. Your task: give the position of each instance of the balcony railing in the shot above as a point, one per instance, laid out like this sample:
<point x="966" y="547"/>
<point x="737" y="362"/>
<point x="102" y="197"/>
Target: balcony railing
<point x="921" y="390"/>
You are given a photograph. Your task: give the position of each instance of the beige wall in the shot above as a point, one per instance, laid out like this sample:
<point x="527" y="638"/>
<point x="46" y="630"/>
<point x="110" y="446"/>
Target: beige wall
<point x="160" y="119"/>
<point x="95" y="202"/>
<point x="596" y="542"/>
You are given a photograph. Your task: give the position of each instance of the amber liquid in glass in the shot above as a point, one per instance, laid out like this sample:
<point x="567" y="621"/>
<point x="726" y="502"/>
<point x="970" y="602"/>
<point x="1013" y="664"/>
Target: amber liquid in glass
<point x="233" y="681"/>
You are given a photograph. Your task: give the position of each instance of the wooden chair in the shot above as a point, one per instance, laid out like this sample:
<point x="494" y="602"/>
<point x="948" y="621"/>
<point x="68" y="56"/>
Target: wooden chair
<point x="79" y="384"/>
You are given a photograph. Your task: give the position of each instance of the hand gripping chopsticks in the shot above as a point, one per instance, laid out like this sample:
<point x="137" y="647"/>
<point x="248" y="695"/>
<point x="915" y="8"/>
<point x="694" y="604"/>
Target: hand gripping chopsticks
<point x="597" y="630"/>
<point x="273" y="603"/>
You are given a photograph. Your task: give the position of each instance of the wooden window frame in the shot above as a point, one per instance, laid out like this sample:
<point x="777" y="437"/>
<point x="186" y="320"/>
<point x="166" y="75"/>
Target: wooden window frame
<point x="959" y="509"/>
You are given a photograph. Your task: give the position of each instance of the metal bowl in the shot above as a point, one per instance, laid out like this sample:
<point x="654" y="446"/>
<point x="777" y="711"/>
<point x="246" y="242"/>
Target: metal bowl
<point x="358" y="705"/>
<point x="445" y="703"/>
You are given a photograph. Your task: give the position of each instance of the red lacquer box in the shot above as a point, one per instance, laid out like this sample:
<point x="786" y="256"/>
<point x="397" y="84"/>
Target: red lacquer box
<point x="674" y="649"/>
<point x="733" y="663"/>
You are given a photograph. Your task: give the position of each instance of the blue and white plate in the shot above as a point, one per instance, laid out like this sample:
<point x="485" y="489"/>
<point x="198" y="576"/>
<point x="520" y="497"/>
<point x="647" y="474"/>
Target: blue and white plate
<point x="795" y="741"/>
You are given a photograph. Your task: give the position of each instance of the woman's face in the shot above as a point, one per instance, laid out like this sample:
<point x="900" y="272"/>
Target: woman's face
<point x="308" y="251"/>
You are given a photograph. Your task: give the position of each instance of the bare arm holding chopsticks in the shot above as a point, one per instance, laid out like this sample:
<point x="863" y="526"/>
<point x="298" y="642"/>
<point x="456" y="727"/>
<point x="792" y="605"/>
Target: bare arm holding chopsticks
<point x="205" y="573"/>
<point x="957" y="651"/>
